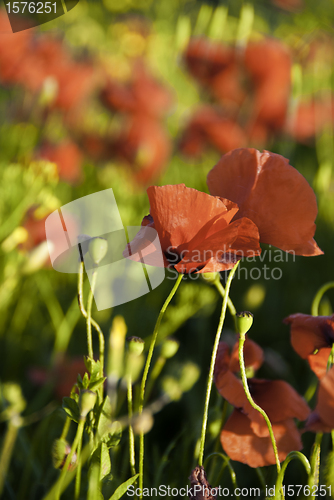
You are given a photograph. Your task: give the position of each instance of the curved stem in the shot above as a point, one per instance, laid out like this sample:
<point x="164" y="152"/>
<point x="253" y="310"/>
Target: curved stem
<point x="229" y="466"/>
<point x="313" y="474"/>
<point x="292" y="455"/>
<point x="144" y="378"/>
<point x="212" y="364"/>
<point x="318" y="296"/>
<point x="242" y="339"/>
<point x="89" y="316"/>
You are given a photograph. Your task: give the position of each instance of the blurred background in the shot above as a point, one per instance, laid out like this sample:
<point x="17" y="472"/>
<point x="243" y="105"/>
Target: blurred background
<point x="124" y="95"/>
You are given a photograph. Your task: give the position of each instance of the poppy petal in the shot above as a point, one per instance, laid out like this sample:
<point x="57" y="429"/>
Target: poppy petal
<point x="253" y="356"/>
<point x="241" y="444"/>
<point x="309" y="333"/>
<point x="273" y="194"/>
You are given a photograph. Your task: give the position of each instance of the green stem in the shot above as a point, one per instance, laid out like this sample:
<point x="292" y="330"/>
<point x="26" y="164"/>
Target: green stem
<point x="89" y="316"/>
<point x="131" y="435"/>
<point x="156" y="370"/>
<point x="318" y="297"/>
<point x="212" y="364"/>
<point x="229" y="466"/>
<point x="77" y="439"/>
<point x="66" y="428"/>
<point x="242" y="339"/>
<point x="290" y="456"/>
<point x="14" y="425"/>
<point x="313" y="474"/>
<point x="78" y="472"/>
<point x="146" y="369"/>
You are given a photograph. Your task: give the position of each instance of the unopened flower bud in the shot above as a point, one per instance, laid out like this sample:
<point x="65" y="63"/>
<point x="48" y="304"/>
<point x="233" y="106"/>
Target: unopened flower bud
<point x="169" y="348"/>
<point x="87" y="401"/>
<point x="98" y="248"/>
<point x="135" y="345"/>
<point x="143" y="423"/>
<point x="244" y="321"/>
<point x="60" y="450"/>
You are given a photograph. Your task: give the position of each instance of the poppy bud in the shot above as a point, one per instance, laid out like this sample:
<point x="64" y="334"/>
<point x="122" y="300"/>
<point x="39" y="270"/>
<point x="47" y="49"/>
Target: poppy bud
<point x="244" y="321"/>
<point x="135" y="345"/>
<point x="143" y="423"/>
<point x="169" y="348"/>
<point x="86" y="402"/>
<point x="98" y="248"/>
<point x="211" y="277"/>
<point x="60" y="450"/>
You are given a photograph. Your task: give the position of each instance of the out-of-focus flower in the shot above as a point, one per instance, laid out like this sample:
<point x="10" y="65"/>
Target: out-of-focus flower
<point x="312" y="338"/>
<point x="311" y="117"/>
<point x="271" y="193"/>
<point x="215" y="67"/>
<point x="13" y="48"/>
<point x="245" y="436"/>
<point x="208" y="127"/>
<point x="268" y="64"/>
<point x="195" y="230"/>
<point x="289" y="5"/>
<point x="143" y="94"/>
<point x="67" y="157"/>
<point x="201" y="488"/>
<point x="144" y="146"/>
<point x="62" y="376"/>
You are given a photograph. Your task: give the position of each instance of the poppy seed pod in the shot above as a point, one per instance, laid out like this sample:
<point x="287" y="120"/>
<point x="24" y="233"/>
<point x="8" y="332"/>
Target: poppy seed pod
<point x="135" y="345"/>
<point x="169" y="348"/>
<point x="87" y="401"/>
<point x="98" y="248"/>
<point x="244" y="321"/>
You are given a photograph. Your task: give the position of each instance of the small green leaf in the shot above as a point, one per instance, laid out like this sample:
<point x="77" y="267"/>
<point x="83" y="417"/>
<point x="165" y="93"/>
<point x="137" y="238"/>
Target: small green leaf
<point x="71" y="407"/>
<point x="105" y="463"/>
<point x="85" y="381"/>
<point x="93" y="385"/>
<point x="121" y="490"/>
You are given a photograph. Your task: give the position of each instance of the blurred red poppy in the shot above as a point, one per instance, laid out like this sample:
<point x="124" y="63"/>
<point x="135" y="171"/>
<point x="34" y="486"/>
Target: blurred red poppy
<point x="312" y="338"/>
<point x="143" y="94"/>
<point x="268" y="64"/>
<point x="311" y="118"/>
<point x="144" y="146"/>
<point x="68" y="158"/>
<point x="13" y="47"/>
<point x="207" y="127"/>
<point x="195" y="230"/>
<point x="271" y="193"/>
<point x="245" y="436"/>
<point x="215" y="67"/>
<point x="62" y="376"/>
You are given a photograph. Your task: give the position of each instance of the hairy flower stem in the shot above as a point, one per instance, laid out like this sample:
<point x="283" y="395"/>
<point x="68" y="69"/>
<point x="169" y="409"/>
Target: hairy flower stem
<point x="230" y="304"/>
<point x="212" y="364"/>
<point x="92" y="321"/>
<point x="78" y="472"/>
<point x="77" y="439"/>
<point x="242" y="339"/>
<point x="144" y="378"/>
<point x="89" y="316"/>
<point x="131" y="435"/>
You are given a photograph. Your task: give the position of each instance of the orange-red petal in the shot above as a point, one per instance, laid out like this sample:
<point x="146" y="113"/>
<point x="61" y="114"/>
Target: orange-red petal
<point x="241" y="444"/>
<point x="309" y="333"/>
<point x="273" y="194"/>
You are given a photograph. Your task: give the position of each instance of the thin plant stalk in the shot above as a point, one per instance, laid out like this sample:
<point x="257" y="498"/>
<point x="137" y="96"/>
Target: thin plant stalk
<point x="78" y="473"/>
<point x="89" y="315"/>
<point x="145" y="374"/>
<point x="212" y="364"/>
<point x="242" y="339"/>
<point x="317" y="299"/>
<point x="14" y="425"/>
<point x="77" y="439"/>
<point x="131" y="435"/>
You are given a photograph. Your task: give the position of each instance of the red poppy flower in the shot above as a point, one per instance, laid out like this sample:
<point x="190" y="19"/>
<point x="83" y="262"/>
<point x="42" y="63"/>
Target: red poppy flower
<point x="311" y="118"/>
<point x="13" y="48"/>
<point x="195" y="230"/>
<point x="208" y="128"/>
<point x="245" y="436"/>
<point x="271" y="193"/>
<point x="68" y="158"/>
<point x="322" y="418"/>
<point x="312" y="338"/>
